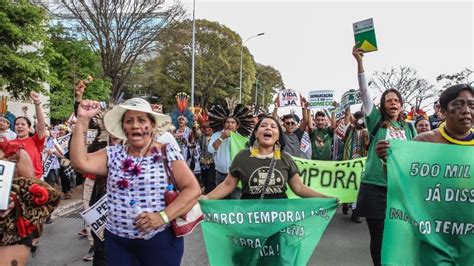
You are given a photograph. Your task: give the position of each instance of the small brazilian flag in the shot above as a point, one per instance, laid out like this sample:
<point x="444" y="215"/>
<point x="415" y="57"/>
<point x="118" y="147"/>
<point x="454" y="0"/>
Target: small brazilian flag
<point x="364" y="35"/>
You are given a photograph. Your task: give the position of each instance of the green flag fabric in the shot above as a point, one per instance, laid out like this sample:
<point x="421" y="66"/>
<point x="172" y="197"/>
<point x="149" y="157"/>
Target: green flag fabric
<point x="430" y="197"/>
<point x="339" y="179"/>
<point x="264" y="232"/>
<point x="237" y="143"/>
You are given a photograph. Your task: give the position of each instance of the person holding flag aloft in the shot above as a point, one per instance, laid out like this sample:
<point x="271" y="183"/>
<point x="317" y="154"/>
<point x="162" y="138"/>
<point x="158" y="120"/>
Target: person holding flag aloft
<point x="384" y="123"/>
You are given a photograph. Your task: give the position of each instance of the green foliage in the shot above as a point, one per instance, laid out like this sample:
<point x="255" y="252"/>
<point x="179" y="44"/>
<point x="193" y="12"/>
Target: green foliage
<point x="71" y="60"/>
<point x="217" y="65"/>
<point x="268" y="78"/>
<point x="22" y="39"/>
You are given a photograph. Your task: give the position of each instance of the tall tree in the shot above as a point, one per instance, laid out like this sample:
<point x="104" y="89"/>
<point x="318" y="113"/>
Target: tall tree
<point x="464" y="76"/>
<point x="71" y="60"/>
<point x="267" y="79"/>
<point x="120" y="30"/>
<point x="22" y="41"/>
<point x="217" y="64"/>
<point x="414" y="90"/>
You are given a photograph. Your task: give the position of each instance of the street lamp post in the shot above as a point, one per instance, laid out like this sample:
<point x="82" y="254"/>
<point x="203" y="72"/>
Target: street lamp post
<point x="241" y="59"/>
<point x="256" y="87"/>
<point x="192" y="56"/>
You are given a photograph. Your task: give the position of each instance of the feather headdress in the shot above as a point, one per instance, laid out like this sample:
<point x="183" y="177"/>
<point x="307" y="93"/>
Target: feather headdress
<point x="229" y="109"/>
<point x="182" y="110"/>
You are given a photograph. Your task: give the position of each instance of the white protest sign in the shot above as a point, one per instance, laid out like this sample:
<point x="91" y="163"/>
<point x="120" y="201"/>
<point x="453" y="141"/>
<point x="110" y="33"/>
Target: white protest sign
<point x="288" y="97"/>
<point x="61" y="144"/>
<point x="321" y="99"/>
<point x="7" y="169"/>
<point x="350" y="98"/>
<point x="96" y="217"/>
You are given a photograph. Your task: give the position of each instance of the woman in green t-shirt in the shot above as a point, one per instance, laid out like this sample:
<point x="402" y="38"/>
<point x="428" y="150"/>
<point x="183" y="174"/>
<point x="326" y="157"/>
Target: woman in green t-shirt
<point x="383" y="124"/>
<point x="264" y="169"/>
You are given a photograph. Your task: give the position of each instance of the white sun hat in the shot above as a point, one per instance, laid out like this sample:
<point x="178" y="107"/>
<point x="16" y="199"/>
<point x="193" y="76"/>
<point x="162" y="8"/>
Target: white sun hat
<point x="113" y="118"/>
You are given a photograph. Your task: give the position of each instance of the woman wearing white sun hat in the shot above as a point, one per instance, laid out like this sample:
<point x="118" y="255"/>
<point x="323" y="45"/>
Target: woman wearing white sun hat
<point x="136" y="179"/>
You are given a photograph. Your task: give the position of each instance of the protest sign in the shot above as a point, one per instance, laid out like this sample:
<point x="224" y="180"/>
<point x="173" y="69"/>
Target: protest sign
<point x="96" y="217"/>
<point x="264" y="232"/>
<point x="7" y="170"/>
<point x="364" y="35"/>
<point x="61" y="144"/>
<point x="339" y="179"/>
<point x="350" y="98"/>
<point x="288" y="97"/>
<point x="340" y="113"/>
<point x="430" y="214"/>
<point x="321" y="99"/>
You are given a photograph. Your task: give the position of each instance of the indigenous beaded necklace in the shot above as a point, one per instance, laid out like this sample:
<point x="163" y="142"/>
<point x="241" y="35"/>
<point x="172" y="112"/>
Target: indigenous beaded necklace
<point x="468" y="141"/>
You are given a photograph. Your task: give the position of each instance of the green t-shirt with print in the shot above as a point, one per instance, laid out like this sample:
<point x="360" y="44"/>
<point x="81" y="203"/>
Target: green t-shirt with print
<point x="373" y="172"/>
<point x="321" y="143"/>
<point x="252" y="172"/>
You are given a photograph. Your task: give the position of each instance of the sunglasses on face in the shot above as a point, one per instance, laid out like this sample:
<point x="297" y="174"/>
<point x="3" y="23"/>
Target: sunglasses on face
<point x="290" y="123"/>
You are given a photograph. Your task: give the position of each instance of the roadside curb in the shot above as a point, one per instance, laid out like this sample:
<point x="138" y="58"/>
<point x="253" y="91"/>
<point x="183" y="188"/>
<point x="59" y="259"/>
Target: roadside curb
<point x="67" y="208"/>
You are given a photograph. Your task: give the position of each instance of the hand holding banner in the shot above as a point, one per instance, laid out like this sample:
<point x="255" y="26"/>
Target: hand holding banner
<point x="430" y="215"/>
<point x="264" y="232"/>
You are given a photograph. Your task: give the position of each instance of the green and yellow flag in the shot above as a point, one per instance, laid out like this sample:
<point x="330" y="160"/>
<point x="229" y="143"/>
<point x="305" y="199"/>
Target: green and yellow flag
<point x="430" y="214"/>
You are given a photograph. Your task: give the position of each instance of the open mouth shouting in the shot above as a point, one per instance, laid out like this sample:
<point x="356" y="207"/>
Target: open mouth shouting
<point x="136" y="135"/>
<point x="268" y="135"/>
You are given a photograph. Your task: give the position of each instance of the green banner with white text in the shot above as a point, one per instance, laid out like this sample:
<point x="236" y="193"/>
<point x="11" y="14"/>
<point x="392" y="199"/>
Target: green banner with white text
<point x="339" y="179"/>
<point x="430" y="204"/>
<point x="264" y="232"/>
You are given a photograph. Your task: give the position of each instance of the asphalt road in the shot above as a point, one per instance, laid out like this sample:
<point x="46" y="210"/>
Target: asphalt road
<point x="343" y="243"/>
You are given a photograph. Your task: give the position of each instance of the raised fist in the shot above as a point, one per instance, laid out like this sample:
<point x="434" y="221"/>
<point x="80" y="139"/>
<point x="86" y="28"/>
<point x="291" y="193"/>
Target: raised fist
<point x="35" y="97"/>
<point x="88" y="109"/>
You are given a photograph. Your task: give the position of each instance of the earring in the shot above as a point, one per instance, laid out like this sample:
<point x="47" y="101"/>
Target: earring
<point x="254" y="149"/>
<point x="277" y="150"/>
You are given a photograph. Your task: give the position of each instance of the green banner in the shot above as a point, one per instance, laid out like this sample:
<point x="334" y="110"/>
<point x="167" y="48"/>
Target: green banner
<point x="237" y="143"/>
<point x="264" y="232"/>
<point x="339" y="179"/>
<point x="430" y="214"/>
